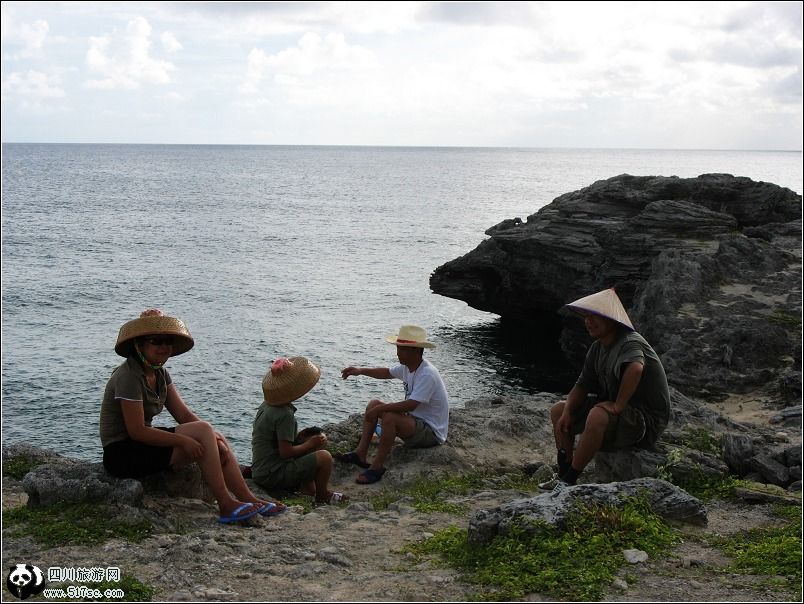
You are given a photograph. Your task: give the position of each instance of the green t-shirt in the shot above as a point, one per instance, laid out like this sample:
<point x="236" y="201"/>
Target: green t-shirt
<point x="128" y="383"/>
<point x="602" y="371"/>
<point x="272" y="424"/>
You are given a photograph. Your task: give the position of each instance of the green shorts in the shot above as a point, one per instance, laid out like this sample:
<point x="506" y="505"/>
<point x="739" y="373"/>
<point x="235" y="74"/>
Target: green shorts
<point x="291" y="474"/>
<point x="423" y="437"/>
<point x="624" y="430"/>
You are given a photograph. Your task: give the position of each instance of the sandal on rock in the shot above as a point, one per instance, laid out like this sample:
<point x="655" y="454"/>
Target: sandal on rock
<point x="272" y="509"/>
<point x="236" y="516"/>
<point x="351" y="457"/>
<point x="370" y="476"/>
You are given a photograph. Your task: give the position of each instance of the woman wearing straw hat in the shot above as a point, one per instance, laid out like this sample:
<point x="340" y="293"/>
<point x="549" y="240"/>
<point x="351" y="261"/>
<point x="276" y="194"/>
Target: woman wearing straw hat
<point x="632" y="403"/>
<point x="137" y="391"/>
<point x="282" y="457"/>
<point x="421" y="420"/>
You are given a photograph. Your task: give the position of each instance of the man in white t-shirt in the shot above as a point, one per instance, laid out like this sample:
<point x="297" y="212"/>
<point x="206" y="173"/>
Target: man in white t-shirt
<point x="421" y="420"/>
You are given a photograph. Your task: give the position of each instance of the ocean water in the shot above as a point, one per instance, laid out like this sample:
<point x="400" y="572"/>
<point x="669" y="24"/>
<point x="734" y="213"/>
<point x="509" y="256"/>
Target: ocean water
<point x="273" y="251"/>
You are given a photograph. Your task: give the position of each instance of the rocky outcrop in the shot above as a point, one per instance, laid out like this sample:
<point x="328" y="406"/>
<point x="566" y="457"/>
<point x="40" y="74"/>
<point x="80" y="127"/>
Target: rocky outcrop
<point x="56" y="479"/>
<point x="666" y="500"/>
<point x="709" y="269"/>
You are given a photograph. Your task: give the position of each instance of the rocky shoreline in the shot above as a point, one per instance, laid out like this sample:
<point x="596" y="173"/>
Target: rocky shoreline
<point x="710" y="268"/>
<point x="356" y="552"/>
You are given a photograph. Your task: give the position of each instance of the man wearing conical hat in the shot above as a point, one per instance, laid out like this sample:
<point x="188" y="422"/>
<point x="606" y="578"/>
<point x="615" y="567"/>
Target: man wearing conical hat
<point x="620" y="399"/>
<point x="421" y="420"/>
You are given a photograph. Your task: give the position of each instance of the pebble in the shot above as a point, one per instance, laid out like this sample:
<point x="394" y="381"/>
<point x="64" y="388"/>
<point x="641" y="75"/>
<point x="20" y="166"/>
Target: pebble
<point x="619" y="584"/>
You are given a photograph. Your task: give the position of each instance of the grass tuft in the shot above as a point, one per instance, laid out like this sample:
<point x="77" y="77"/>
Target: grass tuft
<point x="73" y="524"/>
<point x="577" y="563"/>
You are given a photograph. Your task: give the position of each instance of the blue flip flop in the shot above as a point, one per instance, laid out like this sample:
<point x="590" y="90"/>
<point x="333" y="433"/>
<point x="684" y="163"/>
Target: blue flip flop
<point x="351" y="457"/>
<point x="370" y="476"/>
<point x="272" y="509"/>
<point x="234" y="517"/>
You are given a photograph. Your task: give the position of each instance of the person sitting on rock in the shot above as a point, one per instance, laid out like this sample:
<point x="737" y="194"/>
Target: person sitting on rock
<point x="283" y="457"/>
<point x="421" y="420"/>
<point x="632" y="402"/>
<point x="137" y="391"/>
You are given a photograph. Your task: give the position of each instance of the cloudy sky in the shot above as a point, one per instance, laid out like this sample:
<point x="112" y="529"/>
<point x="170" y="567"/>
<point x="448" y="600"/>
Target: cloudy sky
<point x="692" y="75"/>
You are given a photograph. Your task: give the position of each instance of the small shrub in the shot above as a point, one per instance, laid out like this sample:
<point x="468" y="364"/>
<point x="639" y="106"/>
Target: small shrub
<point x="577" y="563"/>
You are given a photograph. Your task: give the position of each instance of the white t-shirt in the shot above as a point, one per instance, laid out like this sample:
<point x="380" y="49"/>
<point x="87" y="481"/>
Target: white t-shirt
<point x="426" y="387"/>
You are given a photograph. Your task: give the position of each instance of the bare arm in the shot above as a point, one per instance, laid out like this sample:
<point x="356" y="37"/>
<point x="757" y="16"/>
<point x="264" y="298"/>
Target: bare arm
<point x="178" y="408"/>
<point x="632" y="374"/>
<point x="380" y="373"/>
<point x="287" y="450"/>
<point x="134" y="418"/>
<point x="575" y="399"/>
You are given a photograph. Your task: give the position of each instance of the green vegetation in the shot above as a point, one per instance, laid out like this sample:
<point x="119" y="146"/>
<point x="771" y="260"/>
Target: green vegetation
<point x="768" y="551"/>
<point x="73" y="524"/>
<point x="18" y="467"/>
<point x="430" y="494"/>
<point x="576" y="563"/>
<point x="785" y="318"/>
<point x="702" y="440"/>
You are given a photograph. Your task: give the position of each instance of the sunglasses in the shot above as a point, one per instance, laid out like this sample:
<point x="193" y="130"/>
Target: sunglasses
<point x="160" y="340"/>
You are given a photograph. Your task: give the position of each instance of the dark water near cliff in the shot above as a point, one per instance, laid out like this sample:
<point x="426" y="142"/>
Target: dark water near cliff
<point x="269" y="251"/>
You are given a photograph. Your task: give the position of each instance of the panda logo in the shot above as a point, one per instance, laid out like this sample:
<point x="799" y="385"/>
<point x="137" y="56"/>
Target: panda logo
<point x="25" y="580"/>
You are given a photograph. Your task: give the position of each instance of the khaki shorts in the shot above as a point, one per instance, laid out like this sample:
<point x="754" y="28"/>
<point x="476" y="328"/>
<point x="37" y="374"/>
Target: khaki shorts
<point x="291" y="474"/>
<point x="624" y="430"/>
<point x="423" y="437"/>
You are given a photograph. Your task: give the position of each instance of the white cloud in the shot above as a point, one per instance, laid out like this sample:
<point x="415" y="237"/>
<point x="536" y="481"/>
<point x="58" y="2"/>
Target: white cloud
<point x="170" y="43"/>
<point x="28" y="37"/>
<point x="126" y="63"/>
<point x="313" y="55"/>
<point x="30" y="85"/>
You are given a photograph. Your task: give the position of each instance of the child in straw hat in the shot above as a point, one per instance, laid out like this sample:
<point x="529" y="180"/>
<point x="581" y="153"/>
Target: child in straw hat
<point x="632" y="403"/>
<point x="282" y="457"/>
<point x="137" y="391"/>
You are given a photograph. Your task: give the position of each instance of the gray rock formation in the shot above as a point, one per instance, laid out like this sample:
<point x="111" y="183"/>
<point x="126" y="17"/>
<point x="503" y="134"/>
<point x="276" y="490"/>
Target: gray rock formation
<point x="709" y="269"/>
<point x="64" y="480"/>
<point x="666" y="500"/>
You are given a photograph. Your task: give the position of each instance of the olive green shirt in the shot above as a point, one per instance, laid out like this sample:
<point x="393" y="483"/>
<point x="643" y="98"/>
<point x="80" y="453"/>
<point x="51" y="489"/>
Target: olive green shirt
<point x="128" y="382"/>
<point x="272" y="424"/>
<point x="602" y="372"/>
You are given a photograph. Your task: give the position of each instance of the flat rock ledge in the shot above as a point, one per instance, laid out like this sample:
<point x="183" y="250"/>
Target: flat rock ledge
<point x="665" y="499"/>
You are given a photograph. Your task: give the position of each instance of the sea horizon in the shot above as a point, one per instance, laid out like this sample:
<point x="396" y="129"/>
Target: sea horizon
<point x="273" y="250"/>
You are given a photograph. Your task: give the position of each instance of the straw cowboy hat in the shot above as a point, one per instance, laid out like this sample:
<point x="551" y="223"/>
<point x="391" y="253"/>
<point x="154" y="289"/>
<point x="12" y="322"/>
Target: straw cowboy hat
<point x="606" y="304"/>
<point x="288" y="380"/>
<point x="410" y="335"/>
<point x="153" y="322"/>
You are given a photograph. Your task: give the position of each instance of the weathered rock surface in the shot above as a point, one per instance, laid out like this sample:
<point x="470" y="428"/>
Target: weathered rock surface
<point x="709" y="269"/>
<point x="665" y="499"/>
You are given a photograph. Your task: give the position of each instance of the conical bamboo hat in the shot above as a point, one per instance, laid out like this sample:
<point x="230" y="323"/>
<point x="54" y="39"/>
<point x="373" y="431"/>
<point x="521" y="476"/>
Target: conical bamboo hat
<point x="606" y="304"/>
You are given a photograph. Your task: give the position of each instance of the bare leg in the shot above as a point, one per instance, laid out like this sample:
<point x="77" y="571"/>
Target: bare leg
<point x="323" y="470"/>
<point x="564" y="440"/>
<point x="210" y="463"/>
<point x="591" y="438"/>
<point x="393" y="425"/>
<point x="234" y="480"/>
<point x="367" y="432"/>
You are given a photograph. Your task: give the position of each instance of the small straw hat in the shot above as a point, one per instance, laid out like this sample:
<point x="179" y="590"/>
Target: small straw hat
<point x="606" y="304"/>
<point x="150" y="323"/>
<point x="410" y="335"/>
<point x="289" y="379"/>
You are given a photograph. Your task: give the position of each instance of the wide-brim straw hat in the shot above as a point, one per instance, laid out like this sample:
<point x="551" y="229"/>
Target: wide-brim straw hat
<point x="410" y="335"/>
<point x="605" y="304"/>
<point x="288" y="380"/>
<point x="153" y="322"/>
